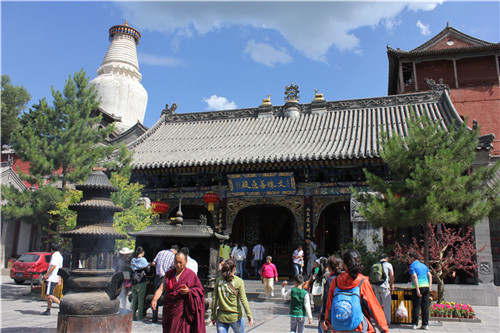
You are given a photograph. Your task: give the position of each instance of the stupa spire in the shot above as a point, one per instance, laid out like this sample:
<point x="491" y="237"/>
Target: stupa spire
<point x="118" y="79"/>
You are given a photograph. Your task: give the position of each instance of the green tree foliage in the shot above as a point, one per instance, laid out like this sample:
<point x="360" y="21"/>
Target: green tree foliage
<point x="432" y="182"/>
<point x="134" y="216"/>
<point x="63" y="217"/>
<point x="14" y="100"/>
<point x="368" y="258"/>
<point x="62" y="143"/>
<point x="65" y="136"/>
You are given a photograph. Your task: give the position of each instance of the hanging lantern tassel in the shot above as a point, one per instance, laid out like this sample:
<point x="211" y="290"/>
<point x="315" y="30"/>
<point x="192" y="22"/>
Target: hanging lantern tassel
<point x="211" y="198"/>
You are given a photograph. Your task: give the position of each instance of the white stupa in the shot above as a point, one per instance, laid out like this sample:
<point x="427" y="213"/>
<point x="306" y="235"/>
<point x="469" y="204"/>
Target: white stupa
<point x="118" y="80"/>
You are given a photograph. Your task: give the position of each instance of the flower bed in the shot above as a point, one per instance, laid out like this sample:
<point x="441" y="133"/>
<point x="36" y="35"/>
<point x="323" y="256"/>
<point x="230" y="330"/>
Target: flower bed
<point x="452" y="310"/>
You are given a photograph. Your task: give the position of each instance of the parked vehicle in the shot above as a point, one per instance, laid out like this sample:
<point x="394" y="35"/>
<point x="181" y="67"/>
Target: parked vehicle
<point x="30" y="262"/>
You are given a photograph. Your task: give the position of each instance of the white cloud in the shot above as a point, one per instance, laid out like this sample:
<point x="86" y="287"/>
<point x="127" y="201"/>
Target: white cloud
<point x="424" y="29"/>
<point x="215" y="102"/>
<point x="310" y="27"/>
<point x="266" y="54"/>
<point x="154" y="60"/>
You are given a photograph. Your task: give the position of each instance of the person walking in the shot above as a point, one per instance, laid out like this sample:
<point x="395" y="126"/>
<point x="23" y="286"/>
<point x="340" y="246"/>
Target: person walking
<point x="298" y="260"/>
<point x="51" y="278"/>
<point x="245" y="269"/>
<point x="139" y="266"/>
<point x="382" y="281"/>
<point x="269" y="274"/>
<point x="334" y="267"/>
<point x="123" y="265"/>
<point x="421" y="279"/>
<point x="300" y="304"/>
<point x="239" y="255"/>
<point x="258" y="255"/>
<point x="313" y="255"/>
<point x="183" y="299"/>
<point x="229" y="300"/>
<point x="343" y="306"/>
<point x="225" y="250"/>
<point x="191" y="263"/>
<point x="318" y="280"/>
<point x="163" y="262"/>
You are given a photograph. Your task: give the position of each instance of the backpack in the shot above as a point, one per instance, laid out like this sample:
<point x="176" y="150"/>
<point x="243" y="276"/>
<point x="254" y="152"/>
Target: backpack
<point x="377" y="274"/>
<point x="239" y="255"/>
<point x="346" y="311"/>
<point x="137" y="276"/>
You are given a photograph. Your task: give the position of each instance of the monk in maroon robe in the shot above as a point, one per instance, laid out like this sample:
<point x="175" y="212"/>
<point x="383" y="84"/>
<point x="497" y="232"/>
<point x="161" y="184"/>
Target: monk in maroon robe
<point x="184" y="299"/>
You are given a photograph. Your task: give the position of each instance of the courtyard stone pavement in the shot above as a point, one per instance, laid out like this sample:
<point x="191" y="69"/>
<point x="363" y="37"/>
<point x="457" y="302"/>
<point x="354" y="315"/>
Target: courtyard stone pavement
<point x="20" y="312"/>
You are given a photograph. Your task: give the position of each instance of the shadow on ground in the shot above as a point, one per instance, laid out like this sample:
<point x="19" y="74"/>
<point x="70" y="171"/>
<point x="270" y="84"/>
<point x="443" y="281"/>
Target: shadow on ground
<point x="27" y="330"/>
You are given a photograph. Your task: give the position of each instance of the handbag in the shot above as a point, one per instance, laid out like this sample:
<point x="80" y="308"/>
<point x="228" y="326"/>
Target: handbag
<point x="317" y="288"/>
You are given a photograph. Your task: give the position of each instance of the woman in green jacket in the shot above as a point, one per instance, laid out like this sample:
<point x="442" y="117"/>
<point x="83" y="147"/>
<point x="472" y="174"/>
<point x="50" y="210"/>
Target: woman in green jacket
<point x="229" y="297"/>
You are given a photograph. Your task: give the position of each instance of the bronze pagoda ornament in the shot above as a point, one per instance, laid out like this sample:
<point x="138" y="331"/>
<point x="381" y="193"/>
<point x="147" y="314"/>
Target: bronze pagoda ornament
<point x="91" y="303"/>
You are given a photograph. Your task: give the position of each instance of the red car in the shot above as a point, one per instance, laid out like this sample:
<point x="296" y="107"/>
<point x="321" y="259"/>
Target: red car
<point x="30" y="262"/>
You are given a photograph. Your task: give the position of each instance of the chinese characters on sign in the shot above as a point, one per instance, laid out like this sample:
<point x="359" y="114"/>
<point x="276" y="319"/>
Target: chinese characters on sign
<point x="262" y="184"/>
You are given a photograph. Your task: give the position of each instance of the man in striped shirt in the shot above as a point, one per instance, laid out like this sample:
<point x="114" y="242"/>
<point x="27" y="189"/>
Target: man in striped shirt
<point x="163" y="262"/>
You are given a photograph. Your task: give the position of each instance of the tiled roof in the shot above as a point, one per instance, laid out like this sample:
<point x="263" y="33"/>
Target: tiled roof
<point x="96" y="203"/>
<point x="461" y="43"/>
<point x="97" y="180"/>
<point x="97" y="230"/>
<point x="175" y="231"/>
<point x="349" y="129"/>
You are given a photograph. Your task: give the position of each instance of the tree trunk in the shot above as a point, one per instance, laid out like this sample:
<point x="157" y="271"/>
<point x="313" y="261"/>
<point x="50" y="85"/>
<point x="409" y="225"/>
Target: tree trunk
<point x="440" y="283"/>
<point x="426" y="245"/>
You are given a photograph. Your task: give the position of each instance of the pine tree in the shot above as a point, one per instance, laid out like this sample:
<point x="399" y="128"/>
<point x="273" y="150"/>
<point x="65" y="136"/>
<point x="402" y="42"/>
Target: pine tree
<point x="62" y="143"/>
<point x="431" y="179"/>
<point x="14" y="100"/>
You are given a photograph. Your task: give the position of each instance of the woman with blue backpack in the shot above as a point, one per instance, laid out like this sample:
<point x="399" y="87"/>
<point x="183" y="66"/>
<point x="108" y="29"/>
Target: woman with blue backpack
<point x="351" y="303"/>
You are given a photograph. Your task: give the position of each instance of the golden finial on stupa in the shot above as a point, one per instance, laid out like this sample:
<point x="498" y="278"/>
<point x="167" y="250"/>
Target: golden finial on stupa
<point x="318" y="97"/>
<point x="126" y="22"/>
<point x="267" y="101"/>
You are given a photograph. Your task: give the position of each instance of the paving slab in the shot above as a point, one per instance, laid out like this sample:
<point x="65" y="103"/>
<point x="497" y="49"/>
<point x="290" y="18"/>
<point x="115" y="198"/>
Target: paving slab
<point x="20" y="312"/>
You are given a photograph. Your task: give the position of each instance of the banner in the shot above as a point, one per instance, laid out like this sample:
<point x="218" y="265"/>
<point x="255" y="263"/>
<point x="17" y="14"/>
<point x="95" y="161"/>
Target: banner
<point x="262" y="184"/>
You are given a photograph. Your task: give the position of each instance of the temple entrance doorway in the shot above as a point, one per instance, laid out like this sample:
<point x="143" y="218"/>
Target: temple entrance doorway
<point x="272" y="226"/>
<point x="334" y="228"/>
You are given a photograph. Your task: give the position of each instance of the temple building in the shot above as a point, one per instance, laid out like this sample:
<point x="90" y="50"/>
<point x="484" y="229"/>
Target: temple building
<point x="118" y="80"/>
<point x="471" y="69"/>
<point x="280" y="174"/>
<point x="469" y="66"/>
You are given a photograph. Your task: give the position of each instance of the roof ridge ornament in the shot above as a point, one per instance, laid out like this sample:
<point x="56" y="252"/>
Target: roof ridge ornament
<point x="267" y="101"/>
<point x="437" y="87"/>
<point x="318" y="97"/>
<point x="169" y="111"/>
<point x="292" y="93"/>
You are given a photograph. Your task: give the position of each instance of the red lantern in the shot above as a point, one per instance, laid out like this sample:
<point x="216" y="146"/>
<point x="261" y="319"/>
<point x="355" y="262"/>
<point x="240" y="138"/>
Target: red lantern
<point x="210" y="198"/>
<point x="159" y="207"/>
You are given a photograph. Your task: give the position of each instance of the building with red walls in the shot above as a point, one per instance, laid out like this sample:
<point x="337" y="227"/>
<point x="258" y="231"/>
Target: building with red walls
<point x="469" y="66"/>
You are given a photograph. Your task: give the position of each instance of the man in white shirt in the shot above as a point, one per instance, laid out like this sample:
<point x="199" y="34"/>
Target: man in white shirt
<point x="191" y="263"/>
<point x="298" y="260"/>
<point x="52" y="278"/>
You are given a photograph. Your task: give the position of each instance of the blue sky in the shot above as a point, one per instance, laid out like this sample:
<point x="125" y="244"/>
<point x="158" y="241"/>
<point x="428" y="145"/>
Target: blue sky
<point x="224" y="55"/>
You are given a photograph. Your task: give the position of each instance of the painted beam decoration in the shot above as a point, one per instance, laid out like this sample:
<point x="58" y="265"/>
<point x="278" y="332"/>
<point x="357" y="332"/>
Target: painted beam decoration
<point x="262" y="184"/>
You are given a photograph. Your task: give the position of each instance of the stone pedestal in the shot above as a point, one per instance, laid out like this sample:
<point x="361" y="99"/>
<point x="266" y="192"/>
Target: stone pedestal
<point x="484" y="258"/>
<point x="366" y="231"/>
<point x="121" y="323"/>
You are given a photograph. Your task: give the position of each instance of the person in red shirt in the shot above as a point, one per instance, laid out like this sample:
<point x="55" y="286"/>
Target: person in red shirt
<point x="351" y="278"/>
<point x="269" y="274"/>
